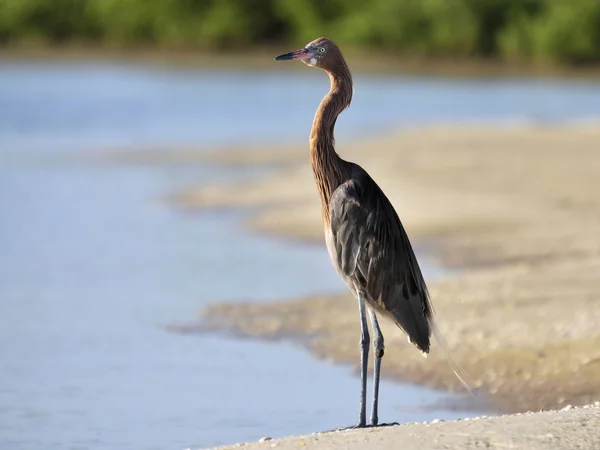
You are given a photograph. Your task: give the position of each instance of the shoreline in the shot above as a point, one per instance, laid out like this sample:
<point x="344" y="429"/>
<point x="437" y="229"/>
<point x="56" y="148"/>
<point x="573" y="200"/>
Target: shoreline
<point x="508" y="263"/>
<point x="514" y="217"/>
<point x="551" y="430"/>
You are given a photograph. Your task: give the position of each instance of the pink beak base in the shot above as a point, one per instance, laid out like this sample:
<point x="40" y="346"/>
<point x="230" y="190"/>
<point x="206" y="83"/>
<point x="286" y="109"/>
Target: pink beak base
<point x="303" y="53"/>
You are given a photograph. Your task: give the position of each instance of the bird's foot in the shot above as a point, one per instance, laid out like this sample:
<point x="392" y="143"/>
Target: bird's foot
<point x="364" y="425"/>
<point x="391" y="424"/>
<point x="352" y="427"/>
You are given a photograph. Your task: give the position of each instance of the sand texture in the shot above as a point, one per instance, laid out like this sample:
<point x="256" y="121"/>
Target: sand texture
<point x="515" y="210"/>
<point x="557" y="430"/>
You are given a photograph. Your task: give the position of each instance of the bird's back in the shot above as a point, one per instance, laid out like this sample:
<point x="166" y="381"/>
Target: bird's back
<point x="371" y="251"/>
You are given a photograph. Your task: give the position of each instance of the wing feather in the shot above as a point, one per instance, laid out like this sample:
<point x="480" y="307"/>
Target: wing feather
<point x="375" y="256"/>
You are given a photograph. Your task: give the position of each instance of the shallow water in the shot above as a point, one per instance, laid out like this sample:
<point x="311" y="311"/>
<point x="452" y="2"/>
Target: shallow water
<point x="78" y="105"/>
<point x="95" y="273"/>
<point x="93" y="268"/>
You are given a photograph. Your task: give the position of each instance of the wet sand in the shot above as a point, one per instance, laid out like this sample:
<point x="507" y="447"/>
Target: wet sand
<point x="515" y="210"/>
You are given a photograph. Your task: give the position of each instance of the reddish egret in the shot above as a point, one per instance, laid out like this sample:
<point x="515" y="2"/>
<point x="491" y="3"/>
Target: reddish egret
<point x="365" y="238"/>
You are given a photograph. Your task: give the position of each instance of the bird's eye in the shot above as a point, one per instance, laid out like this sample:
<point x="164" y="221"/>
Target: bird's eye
<point x="322" y="50"/>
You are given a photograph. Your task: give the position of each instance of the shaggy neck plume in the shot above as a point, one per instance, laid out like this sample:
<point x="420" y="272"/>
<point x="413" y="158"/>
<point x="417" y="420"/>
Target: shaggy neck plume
<point x="329" y="169"/>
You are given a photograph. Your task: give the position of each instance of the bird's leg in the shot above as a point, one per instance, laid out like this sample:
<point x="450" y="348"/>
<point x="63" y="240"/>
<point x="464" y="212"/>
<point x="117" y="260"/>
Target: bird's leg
<point x="378" y="348"/>
<point x="364" y="355"/>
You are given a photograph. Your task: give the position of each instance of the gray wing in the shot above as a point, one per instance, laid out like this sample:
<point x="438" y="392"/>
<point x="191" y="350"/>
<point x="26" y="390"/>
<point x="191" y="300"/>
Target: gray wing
<point x="374" y="253"/>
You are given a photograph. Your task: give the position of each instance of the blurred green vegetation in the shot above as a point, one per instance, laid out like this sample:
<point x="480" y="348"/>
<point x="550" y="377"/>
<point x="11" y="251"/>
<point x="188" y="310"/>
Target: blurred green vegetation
<point x="562" y="31"/>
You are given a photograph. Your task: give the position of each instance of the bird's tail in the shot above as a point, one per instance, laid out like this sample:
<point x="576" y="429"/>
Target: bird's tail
<point x="456" y="368"/>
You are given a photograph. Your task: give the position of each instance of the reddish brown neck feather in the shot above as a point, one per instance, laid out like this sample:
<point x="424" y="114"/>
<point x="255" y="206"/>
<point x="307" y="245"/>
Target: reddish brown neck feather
<point x="329" y="169"/>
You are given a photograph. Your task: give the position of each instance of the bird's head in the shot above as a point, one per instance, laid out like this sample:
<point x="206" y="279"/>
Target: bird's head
<point x="321" y="53"/>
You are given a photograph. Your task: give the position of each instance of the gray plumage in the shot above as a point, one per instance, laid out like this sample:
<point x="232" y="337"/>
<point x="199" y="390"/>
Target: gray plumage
<point x="371" y="251"/>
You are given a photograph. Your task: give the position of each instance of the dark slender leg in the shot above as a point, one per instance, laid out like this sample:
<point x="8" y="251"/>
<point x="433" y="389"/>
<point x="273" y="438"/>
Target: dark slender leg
<point x="364" y="355"/>
<point x="378" y="348"/>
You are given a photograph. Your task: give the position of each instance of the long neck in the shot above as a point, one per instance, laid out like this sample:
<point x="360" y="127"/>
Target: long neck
<point x="328" y="168"/>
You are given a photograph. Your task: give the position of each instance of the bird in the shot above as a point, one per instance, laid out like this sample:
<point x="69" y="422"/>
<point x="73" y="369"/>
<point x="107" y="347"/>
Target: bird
<point x="367" y="243"/>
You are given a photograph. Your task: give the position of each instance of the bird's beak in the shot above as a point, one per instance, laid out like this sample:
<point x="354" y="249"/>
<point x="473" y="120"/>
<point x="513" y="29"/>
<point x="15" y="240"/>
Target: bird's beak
<point x="301" y="54"/>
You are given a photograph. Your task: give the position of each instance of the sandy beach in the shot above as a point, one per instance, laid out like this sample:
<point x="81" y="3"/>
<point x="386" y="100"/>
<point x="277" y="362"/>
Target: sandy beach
<point x="512" y="211"/>
<point x="571" y="428"/>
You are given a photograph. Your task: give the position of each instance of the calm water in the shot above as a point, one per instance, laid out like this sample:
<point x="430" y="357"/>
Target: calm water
<point x="92" y="267"/>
